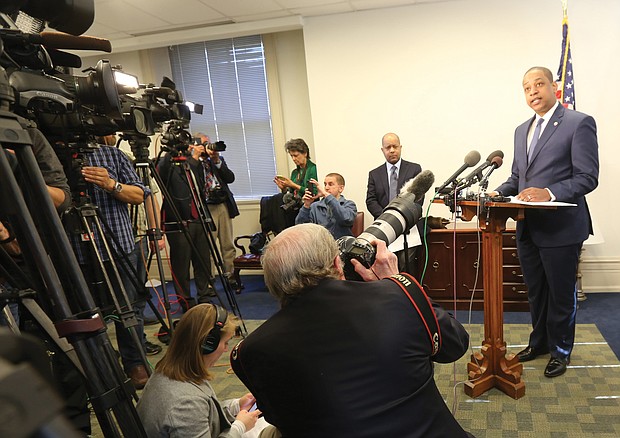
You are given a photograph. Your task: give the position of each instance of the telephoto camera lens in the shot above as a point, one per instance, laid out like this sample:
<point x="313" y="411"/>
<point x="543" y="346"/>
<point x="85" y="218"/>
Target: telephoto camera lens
<point x="399" y="216"/>
<point x="218" y="146"/>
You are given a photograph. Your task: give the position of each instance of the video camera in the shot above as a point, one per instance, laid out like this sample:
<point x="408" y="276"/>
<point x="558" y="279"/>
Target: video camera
<point x="73" y="109"/>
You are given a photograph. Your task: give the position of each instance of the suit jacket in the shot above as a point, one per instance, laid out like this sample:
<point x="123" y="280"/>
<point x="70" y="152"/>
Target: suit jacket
<point x="225" y="176"/>
<point x="378" y="189"/>
<point x="357" y="357"/>
<point x="175" y="181"/>
<point x="566" y="162"/>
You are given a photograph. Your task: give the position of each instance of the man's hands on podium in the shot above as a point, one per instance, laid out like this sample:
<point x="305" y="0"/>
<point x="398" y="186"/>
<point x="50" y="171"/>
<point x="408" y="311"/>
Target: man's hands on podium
<point x="531" y="194"/>
<point x="534" y="194"/>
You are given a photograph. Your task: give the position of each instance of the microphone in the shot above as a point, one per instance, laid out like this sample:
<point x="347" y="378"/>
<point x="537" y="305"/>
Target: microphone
<point x="496" y="162"/>
<point x="476" y="174"/>
<point x="419" y="185"/>
<point x="471" y="159"/>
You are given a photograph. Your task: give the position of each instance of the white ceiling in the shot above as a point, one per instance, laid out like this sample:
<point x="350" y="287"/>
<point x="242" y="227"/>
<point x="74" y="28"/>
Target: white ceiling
<point x="128" y="23"/>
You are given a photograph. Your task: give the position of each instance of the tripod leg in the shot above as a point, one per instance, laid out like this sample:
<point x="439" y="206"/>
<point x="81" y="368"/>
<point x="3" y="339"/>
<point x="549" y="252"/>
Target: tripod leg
<point x="119" y="414"/>
<point x="207" y="224"/>
<point x="10" y="320"/>
<point x="154" y="234"/>
<point x="47" y="325"/>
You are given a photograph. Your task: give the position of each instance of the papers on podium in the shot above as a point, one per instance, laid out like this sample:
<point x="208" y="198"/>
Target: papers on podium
<point x="514" y="200"/>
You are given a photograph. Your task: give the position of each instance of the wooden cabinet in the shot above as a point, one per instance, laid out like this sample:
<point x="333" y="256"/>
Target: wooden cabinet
<point x="458" y="255"/>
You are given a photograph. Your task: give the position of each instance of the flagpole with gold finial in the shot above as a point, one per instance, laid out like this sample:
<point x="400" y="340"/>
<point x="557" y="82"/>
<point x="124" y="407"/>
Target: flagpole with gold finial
<point x="566" y="48"/>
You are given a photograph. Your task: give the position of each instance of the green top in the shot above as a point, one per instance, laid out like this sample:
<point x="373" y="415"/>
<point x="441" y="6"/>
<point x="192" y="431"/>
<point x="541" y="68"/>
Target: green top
<point x="301" y="176"/>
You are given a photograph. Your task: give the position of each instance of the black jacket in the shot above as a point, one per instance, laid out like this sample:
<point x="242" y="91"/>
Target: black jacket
<point x="175" y="181"/>
<point x="225" y="176"/>
<point x="350" y="359"/>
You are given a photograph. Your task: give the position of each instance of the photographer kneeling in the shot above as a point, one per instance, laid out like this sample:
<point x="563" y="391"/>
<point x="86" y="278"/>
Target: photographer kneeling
<point x="346" y="358"/>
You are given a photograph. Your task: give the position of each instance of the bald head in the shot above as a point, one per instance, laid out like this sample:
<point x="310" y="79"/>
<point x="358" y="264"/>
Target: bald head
<point x="391" y="148"/>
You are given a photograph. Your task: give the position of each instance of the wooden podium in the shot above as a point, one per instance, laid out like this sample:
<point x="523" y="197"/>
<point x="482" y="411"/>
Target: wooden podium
<point x="491" y="367"/>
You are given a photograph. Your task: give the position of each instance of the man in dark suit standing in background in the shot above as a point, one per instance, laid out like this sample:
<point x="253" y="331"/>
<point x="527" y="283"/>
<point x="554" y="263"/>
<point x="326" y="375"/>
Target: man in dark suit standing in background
<point x="555" y="159"/>
<point x="385" y="182"/>
<point x="220" y="201"/>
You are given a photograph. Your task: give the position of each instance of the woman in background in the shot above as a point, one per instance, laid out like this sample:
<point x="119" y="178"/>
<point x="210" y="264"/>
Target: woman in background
<point x="178" y="400"/>
<point x="305" y="170"/>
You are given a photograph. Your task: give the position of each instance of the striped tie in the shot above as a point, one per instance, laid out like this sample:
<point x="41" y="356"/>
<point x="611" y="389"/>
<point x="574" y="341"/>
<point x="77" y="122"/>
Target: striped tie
<point x="393" y="182"/>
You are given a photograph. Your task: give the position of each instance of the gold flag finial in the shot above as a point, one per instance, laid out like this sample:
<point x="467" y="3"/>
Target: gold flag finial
<point x="565" y="8"/>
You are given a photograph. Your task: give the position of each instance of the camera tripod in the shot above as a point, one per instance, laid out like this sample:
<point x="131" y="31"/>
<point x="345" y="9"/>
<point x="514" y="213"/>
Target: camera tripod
<point x="110" y="395"/>
<point x="179" y="161"/>
<point x="23" y="293"/>
<point x="146" y="171"/>
<point x="99" y="258"/>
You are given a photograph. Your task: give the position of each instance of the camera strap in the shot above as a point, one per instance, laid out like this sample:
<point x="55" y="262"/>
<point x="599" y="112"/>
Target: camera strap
<point x="423" y="305"/>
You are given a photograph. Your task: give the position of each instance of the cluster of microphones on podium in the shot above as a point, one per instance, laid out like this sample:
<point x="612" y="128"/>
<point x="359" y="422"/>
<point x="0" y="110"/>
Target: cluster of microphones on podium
<point x="454" y="186"/>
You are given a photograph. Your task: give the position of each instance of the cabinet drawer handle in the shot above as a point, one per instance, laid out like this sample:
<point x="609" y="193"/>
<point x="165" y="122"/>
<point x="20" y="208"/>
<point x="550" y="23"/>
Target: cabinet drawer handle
<point x="476" y="264"/>
<point x="514" y="289"/>
<point x="516" y="274"/>
<point x="514" y="254"/>
<point x="435" y="265"/>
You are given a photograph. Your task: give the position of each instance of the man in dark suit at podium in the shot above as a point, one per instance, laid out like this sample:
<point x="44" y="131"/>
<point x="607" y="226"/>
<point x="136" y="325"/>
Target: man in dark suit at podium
<point x="385" y="182"/>
<point x="555" y="159"/>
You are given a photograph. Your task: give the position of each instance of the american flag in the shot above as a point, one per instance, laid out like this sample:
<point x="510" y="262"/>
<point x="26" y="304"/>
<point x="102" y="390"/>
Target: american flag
<point x="566" y="89"/>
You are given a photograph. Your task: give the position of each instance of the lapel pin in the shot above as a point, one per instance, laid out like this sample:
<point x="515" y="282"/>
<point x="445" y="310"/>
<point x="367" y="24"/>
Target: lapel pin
<point x="555" y="123"/>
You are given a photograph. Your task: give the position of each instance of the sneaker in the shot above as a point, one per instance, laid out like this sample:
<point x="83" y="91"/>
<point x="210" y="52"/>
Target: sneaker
<point x="151" y="349"/>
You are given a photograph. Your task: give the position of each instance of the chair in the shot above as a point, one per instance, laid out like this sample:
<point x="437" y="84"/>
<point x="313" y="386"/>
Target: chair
<point x="358" y="224"/>
<point x="247" y="259"/>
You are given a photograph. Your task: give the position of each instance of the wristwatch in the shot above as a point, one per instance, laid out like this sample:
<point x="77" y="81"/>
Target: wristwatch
<point x="118" y="187"/>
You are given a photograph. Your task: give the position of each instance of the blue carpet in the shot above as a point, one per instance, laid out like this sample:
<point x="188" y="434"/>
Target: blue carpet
<point x="255" y="302"/>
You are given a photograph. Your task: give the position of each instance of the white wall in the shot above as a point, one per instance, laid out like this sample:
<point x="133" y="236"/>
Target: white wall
<point x="446" y="77"/>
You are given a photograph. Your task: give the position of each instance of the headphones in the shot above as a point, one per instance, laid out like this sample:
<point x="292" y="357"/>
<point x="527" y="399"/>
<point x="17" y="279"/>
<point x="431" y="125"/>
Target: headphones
<point x="212" y="340"/>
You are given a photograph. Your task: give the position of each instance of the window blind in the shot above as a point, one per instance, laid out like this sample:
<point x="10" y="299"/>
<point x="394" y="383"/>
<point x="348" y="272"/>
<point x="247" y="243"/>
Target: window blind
<point x="228" y="78"/>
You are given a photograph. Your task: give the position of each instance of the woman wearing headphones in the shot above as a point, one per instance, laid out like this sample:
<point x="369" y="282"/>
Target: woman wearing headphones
<point x="178" y="400"/>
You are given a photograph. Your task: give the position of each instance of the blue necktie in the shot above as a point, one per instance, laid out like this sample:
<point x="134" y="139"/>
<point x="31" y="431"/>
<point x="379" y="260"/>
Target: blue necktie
<point x="393" y="182"/>
<point x="530" y="151"/>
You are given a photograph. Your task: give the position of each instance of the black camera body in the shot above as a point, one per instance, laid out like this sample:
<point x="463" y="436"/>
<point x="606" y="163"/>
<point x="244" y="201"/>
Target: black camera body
<point x="175" y="137"/>
<point x="218" y="146"/>
<point x="398" y="217"/>
<point x="360" y="250"/>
